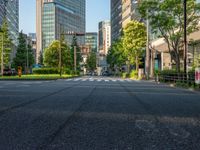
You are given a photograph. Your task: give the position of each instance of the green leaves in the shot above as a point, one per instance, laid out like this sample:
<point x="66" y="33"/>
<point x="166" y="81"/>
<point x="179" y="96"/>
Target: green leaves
<point x="134" y="41"/>
<point x="116" y="55"/>
<point x="167" y="18"/>
<point x="91" y="61"/>
<point x="51" y="54"/>
<point x="130" y="47"/>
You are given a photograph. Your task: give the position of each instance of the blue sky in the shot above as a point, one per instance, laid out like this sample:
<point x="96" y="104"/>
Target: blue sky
<point x="96" y="11"/>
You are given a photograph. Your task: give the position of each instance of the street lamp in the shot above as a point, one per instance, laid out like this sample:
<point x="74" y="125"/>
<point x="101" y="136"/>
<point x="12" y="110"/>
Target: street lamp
<point x="185" y="36"/>
<point x="2" y="62"/>
<point x="147" y="64"/>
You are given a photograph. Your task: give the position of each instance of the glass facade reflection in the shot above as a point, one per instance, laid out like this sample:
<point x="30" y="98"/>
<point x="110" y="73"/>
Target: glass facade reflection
<point x="9" y="9"/>
<point x="91" y="40"/>
<point x="60" y="16"/>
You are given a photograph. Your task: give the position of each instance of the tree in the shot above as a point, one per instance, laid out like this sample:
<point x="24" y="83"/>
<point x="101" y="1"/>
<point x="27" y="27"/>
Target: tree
<point x="21" y="55"/>
<point x="41" y="58"/>
<point x="66" y="52"/>
<point x="7" y="43"/>
<point x="31" y="60"/>
<point x="167" y="17"/>
<point x="91" y="61"/>
<point x="78" y="52"/>
<point x="134" y="41"/>
<point x="116" y="54"/>
<point x="51" y="54"/>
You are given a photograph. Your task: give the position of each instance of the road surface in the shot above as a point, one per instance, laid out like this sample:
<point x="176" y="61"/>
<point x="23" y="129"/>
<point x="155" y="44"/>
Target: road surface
<point x="97" y="113"/>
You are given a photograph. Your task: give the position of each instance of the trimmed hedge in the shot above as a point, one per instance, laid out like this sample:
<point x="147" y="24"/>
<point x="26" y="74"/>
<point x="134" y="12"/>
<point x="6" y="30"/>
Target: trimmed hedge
<point x="54" y="71"/>
<point x="46" y="71"/>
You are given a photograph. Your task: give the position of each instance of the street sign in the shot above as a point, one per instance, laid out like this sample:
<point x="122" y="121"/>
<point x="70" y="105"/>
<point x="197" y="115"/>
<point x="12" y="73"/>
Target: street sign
<point x="197" y="75"/>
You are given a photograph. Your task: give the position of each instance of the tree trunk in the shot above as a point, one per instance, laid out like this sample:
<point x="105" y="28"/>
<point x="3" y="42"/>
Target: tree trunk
<point x="178" y="64"/>
<point x="136" y="63"/>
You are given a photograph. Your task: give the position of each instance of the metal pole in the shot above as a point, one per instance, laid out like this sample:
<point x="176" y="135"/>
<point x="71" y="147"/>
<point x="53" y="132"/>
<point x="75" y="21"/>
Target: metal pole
<point x="147" y="65"/>
<point x="60" y="59"/>
<point x="185" y="36"/>
<point x="75" y="59"/>
<point x="2" y="62"/>
<point x="27" y="62"/>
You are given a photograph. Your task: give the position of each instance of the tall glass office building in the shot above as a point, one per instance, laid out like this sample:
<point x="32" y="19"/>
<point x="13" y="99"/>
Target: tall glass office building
<point x="57" y="16"/>
<point x="91" y="40"/>
<point x="9" y="9"/>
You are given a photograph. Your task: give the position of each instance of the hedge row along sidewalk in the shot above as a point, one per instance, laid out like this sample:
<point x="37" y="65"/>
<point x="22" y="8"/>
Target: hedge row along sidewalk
<point x="38" y="77"/>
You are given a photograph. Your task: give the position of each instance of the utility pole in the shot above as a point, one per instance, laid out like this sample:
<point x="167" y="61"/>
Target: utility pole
<point x="75" y="47"/>
<point x="60" y="58"/>
<point x="75" y="58"/>
<point x="2" y="62"/>
<point x="147" y="62"/>
<point x="27" y="61"/>
<point x="185" y="36"/>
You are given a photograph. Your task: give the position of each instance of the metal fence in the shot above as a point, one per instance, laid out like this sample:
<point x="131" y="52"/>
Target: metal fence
<point x="178" y="79"/>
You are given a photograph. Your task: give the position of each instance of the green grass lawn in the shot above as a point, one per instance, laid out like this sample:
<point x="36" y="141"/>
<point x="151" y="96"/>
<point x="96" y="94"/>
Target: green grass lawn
<point x="37" y="77"/>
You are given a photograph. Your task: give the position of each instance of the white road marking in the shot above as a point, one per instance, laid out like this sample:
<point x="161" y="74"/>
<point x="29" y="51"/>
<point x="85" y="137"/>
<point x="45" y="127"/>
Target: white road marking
<point x="68" y="80"/>
<point x="84" y="80"/>
<point x="23" y="85"/>
<point x="77" y="79"/>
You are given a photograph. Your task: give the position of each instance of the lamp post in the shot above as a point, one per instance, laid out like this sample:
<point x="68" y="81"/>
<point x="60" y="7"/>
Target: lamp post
<point x="27" y="61"/>
<point x="147" y="64"/>
<point x="2" y="62"/>
<point x="185" y="36"/>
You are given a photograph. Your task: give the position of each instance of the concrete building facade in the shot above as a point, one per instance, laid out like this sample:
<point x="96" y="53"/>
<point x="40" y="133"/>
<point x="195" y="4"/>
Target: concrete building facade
<point x="55" y="17"/>
<point x="104" y="37"/>
<point x="122" y="12"/>
<point x="104" y="43"/>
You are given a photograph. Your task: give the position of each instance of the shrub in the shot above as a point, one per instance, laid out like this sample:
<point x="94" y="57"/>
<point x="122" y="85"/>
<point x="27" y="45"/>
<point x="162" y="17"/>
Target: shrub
<point x="124" y="75"/>
<point x="134" y="74"/>
<point x="46" y="71"/>
<point x="67" y="71"/>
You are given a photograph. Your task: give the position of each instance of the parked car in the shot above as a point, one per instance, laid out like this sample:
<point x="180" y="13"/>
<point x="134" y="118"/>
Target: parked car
<point x="7" y="72"/>
<point x="106" y="73"/>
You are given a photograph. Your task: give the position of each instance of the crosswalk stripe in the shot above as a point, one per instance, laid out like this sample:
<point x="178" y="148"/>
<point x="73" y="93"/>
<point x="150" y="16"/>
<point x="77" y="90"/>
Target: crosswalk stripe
<point x="77" y="79"/>
<point x="99" y="80"/>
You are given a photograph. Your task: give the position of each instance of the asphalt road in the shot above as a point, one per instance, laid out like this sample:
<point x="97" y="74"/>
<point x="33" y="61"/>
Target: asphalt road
<point x="92" y="113"/>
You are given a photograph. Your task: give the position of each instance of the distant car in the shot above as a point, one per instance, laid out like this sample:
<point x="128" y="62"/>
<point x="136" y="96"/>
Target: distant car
<point x="106" y="73"/>
<point x="7" y="72"/>
<point x="37" y="66"/>
<point x="14" y="72"/>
